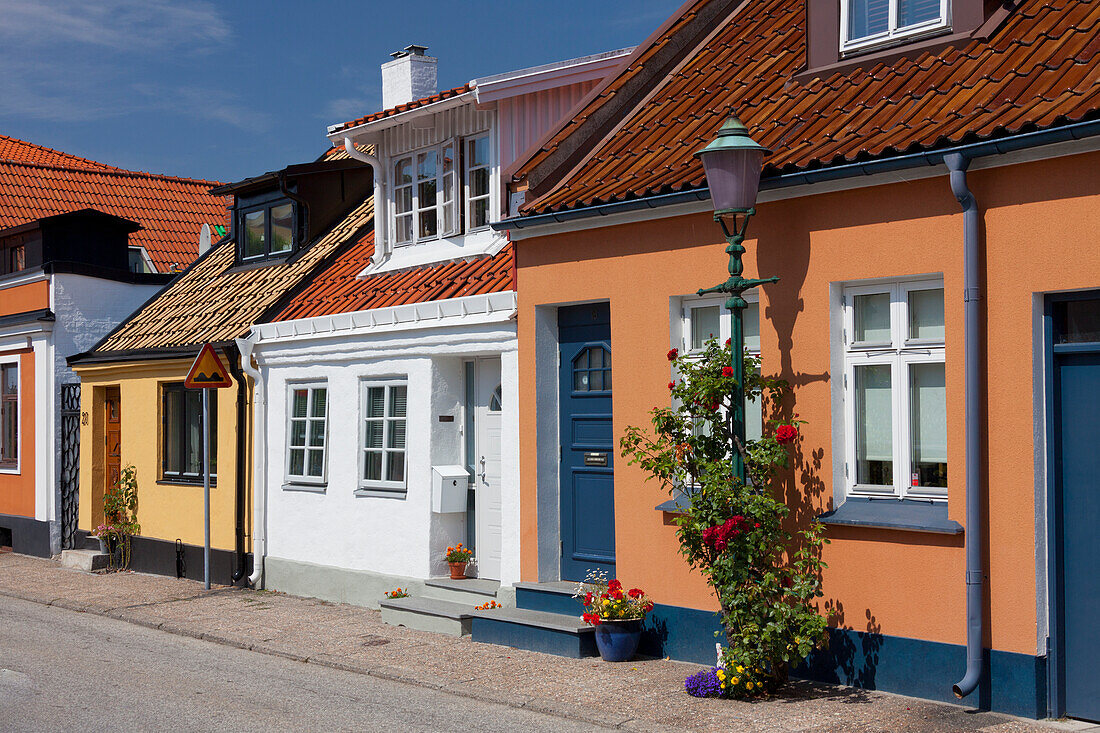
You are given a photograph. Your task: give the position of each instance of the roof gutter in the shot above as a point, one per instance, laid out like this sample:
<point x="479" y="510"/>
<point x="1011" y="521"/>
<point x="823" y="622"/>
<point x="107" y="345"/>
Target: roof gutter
<point x="379" y="195"/>
<point x="1073" y="131"/>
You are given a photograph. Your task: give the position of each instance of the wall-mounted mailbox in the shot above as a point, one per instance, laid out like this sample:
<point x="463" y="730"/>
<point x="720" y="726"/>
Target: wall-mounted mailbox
<point x="449" y="484"/>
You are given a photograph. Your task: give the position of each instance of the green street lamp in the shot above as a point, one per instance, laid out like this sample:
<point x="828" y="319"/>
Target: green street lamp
<point x="732" y="162"/>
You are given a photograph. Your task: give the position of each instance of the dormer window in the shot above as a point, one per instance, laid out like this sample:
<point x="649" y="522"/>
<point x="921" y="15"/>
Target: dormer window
<point x="426" y="190"/>
<point x="267" y="230"/>
<point x="870" y="23"/>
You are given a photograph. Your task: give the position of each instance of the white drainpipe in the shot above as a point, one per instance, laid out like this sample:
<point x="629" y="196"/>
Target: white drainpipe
<point x="379" y="197"/>
<point x="259" y="460"/>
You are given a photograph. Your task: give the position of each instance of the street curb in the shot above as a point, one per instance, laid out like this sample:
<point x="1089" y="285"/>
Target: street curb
<point x="546" y="706"/>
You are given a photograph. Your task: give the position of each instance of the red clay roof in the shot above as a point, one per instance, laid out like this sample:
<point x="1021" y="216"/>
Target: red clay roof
<point x="20" y="151"/>
<point x="336" y="289"/>
<point x="437" y="97"/>
<point x="1039" y="69"/>
<point x="37" y="182"/>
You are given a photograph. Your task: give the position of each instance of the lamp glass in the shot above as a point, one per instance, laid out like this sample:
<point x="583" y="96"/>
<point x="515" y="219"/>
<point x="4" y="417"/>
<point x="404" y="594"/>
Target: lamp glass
<point x="733" y="176"/>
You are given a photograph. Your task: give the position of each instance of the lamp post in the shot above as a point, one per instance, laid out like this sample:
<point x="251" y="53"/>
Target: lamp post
<point x="732" y="162"/>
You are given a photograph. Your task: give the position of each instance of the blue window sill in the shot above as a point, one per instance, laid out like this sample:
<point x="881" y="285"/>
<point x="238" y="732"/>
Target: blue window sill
<point x="911" y="515"/>
<point x="678" y="504"/>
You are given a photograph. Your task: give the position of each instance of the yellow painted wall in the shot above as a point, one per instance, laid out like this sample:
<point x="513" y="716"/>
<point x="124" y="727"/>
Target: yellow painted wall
<point x="165" y="510"/>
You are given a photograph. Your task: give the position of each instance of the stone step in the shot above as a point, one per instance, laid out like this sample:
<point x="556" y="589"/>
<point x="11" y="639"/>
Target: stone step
<point x="87" y="560"/>
<point x="471" y="591"/>
<point x="552" y="633"/>
<point x="428" y="614"/>
<point x="553" y="597"/>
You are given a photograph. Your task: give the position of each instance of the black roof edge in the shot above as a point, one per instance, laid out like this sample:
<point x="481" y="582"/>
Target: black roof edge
<point x="41" y="314"/>
<point x="69" y="267"/>
<point x="298" y="169"/>
<point x="108" y="357"/>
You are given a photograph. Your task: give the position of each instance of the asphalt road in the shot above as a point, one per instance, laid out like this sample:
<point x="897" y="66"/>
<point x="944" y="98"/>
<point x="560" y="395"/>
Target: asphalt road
<point x="66" y="671"/>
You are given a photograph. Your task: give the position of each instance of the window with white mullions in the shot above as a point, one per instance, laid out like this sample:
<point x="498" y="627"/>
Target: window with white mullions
<point x="895" y="389"/>
<point x="307" y="433"/>
<point x="868" y="23"/>
<point x="9" y="415"/>
<point x="478" y="190"/>
<point x="424" y="195"/>
<point x="383" y="461"/>
<point x="707" y="319"/>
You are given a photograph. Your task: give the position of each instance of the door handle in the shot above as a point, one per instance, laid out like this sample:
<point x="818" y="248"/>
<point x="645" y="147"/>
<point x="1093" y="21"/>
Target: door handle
<point x="482" y="474"/>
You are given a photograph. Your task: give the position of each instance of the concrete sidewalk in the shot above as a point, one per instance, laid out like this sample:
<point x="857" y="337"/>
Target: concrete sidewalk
<point x="641" y="695"/>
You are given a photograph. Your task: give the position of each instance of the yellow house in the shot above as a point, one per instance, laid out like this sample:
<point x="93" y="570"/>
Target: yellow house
<point x="135" y="410"/>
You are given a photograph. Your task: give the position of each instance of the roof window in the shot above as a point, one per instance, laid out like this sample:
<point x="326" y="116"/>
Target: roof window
<point x="868" y="24"/>
<point x="267" y="230"/>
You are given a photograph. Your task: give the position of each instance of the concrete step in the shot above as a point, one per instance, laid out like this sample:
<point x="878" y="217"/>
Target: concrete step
<point x="554" y="597"/>
<point x="552" y="633"/>
<point x="87" y="560"/>
<point x="428" y="614"/>
<point x="471" y="591"/>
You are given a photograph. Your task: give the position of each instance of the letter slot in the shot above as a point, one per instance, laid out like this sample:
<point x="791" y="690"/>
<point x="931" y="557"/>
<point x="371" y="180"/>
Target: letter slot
<point x="595" y="459"/>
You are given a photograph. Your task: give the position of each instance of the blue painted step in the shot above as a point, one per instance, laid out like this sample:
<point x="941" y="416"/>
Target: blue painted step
<point x="539" y="631"/>
<point x="550" y="597"/>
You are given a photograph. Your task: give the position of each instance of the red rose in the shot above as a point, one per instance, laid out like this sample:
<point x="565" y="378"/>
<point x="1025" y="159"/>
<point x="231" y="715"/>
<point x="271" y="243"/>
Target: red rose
<point x="635" y="593"/>
<point x="614" y="584"/>
<point x="588" y="598"/>
<point x="672" y="354"/>
<point x="727" y="342"/>
<point x="649" y="606"/>
<point x="604" y="596"/>
<point x="727" y="371"/>
<point x="786" y="433"/>
<point x="671" y="385"/>
<point x="757" y="525"/>
<point x="617" y="595"/>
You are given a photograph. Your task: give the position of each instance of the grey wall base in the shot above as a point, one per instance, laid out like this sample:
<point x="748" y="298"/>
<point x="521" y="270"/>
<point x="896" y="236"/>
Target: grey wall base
<point x="28" y="535"/>
<point x="340" y="585"/>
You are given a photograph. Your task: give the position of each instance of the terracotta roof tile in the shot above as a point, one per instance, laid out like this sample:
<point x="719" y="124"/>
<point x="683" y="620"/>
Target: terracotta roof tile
<point x="431" y="99"/>
<point x="337" y="290"/>
<point x="36" y="182"/>
<point x="213" y="301"/>
<point x="1040" y="68"/>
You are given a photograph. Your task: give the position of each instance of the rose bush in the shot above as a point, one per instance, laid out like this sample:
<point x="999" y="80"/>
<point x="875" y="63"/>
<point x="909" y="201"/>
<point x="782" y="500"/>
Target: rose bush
<point x="766" y="577"/>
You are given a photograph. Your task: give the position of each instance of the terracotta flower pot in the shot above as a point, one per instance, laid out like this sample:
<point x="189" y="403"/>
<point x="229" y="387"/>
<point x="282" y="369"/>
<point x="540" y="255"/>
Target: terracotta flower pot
<point x="458" y="570"/>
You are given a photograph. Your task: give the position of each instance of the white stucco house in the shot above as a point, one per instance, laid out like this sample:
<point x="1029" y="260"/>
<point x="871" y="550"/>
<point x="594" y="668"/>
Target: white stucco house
<point x="386" y="424"/>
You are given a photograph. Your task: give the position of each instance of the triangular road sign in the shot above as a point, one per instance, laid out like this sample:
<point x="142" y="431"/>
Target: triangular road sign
<point x="208" y="371"/>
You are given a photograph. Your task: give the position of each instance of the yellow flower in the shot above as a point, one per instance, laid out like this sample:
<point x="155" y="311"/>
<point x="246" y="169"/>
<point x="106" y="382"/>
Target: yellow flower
<point x="734" y="680"/>
<point x="740" y="668"/>
<point x="748" y="685"/>
<point x="721" y="675"/>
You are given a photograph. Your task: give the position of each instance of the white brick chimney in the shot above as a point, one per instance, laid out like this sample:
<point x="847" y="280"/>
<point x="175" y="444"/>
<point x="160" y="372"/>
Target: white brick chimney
<point x="411" y="75"/>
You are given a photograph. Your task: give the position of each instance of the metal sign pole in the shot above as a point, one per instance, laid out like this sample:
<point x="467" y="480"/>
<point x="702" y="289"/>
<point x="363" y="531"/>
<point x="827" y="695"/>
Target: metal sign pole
<point x="206" y="481"/>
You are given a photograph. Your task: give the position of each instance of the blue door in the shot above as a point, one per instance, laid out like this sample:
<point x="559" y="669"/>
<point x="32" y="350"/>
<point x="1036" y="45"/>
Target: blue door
<point x="1077" y="501"/>
<point x="587" y="441"/>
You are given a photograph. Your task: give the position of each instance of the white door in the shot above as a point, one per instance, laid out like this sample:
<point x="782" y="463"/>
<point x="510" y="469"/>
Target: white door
<point x="487" y="489"/>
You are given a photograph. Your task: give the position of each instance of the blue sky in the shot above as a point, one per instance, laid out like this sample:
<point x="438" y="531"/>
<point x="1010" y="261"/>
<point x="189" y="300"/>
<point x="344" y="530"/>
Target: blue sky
<point x="225" y="90"/>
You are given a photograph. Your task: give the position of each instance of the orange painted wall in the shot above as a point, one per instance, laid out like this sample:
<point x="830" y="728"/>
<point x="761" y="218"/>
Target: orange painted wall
<point x="17" y="487"/>
<point x="1039" y="224"/>
<point x="24" y="298"/>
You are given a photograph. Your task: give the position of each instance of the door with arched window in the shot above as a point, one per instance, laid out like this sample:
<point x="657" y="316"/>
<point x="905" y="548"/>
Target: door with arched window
<point x="488" y="514"/>
<point x="587" y="495"/>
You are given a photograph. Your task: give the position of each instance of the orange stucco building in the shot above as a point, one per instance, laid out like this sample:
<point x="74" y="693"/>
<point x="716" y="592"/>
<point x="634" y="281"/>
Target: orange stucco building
<point x="866" y="323"/>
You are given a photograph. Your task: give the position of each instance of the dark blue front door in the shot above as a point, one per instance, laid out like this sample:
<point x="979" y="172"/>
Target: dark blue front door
<point x="1077" y="471"/>
<point x="587" y="441"/>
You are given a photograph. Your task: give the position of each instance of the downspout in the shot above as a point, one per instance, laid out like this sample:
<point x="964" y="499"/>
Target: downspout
<point x="234" y="355"/>
<point x="973" y="338"/>
<point x="259" y="460"/>
<point x="379" y="197"/>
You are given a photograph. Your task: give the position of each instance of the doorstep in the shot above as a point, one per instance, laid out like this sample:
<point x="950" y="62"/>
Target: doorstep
<point x="427" y="614"/>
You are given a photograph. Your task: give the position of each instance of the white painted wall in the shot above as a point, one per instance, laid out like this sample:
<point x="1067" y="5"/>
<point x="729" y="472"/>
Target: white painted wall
<point x="390" y="535"/>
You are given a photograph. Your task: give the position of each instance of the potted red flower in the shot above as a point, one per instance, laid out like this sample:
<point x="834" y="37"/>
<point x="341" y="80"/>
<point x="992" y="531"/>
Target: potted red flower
<point x="457" y="558"/>
<point x="617" y="614"/>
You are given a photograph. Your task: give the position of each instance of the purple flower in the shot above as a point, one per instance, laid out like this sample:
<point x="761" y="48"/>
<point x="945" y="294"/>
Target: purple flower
<point x="704" y="683"/>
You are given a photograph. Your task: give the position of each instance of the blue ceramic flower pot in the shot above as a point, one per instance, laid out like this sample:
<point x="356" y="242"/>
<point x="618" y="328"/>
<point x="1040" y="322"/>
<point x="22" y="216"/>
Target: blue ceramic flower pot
<point x="618" y="640"/>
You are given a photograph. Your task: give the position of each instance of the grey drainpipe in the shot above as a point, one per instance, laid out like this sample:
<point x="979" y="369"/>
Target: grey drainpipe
<point x="973" y="337"/>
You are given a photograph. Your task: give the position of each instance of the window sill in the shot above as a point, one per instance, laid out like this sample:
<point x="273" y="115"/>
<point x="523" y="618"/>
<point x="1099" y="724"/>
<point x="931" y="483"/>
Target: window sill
<point x="909" y="515"/>
<point x="382" y="493"/>
<point x="265" y="261"/>
<point x="678" y="504"/>
<point x="308" y="488"/>
<point x="186" y="482"/>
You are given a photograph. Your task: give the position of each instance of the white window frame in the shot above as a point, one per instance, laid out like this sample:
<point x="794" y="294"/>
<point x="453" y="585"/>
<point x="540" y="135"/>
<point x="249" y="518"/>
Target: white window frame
<point x="724" y="331"/>
<point x="899" y="354"/>
<point x="17" y="467"/>
<point x="892" y="32"/>
<point x="440" y="205"/>
<point x="310" y="387"/>
<point x="467" y="170"/>
<point x="382" y="486"/>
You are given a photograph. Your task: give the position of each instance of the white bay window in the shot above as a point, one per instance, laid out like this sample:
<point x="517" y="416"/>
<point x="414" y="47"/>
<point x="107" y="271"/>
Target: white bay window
<point x="895" y="389"/>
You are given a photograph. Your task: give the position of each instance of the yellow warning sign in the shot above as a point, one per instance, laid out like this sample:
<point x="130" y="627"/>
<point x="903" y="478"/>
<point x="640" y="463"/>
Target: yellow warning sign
<point x="208" y="371"/>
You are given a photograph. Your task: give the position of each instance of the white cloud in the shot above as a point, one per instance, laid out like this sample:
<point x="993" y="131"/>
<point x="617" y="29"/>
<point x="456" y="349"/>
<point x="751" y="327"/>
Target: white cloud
<point x="119" y="25"/>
